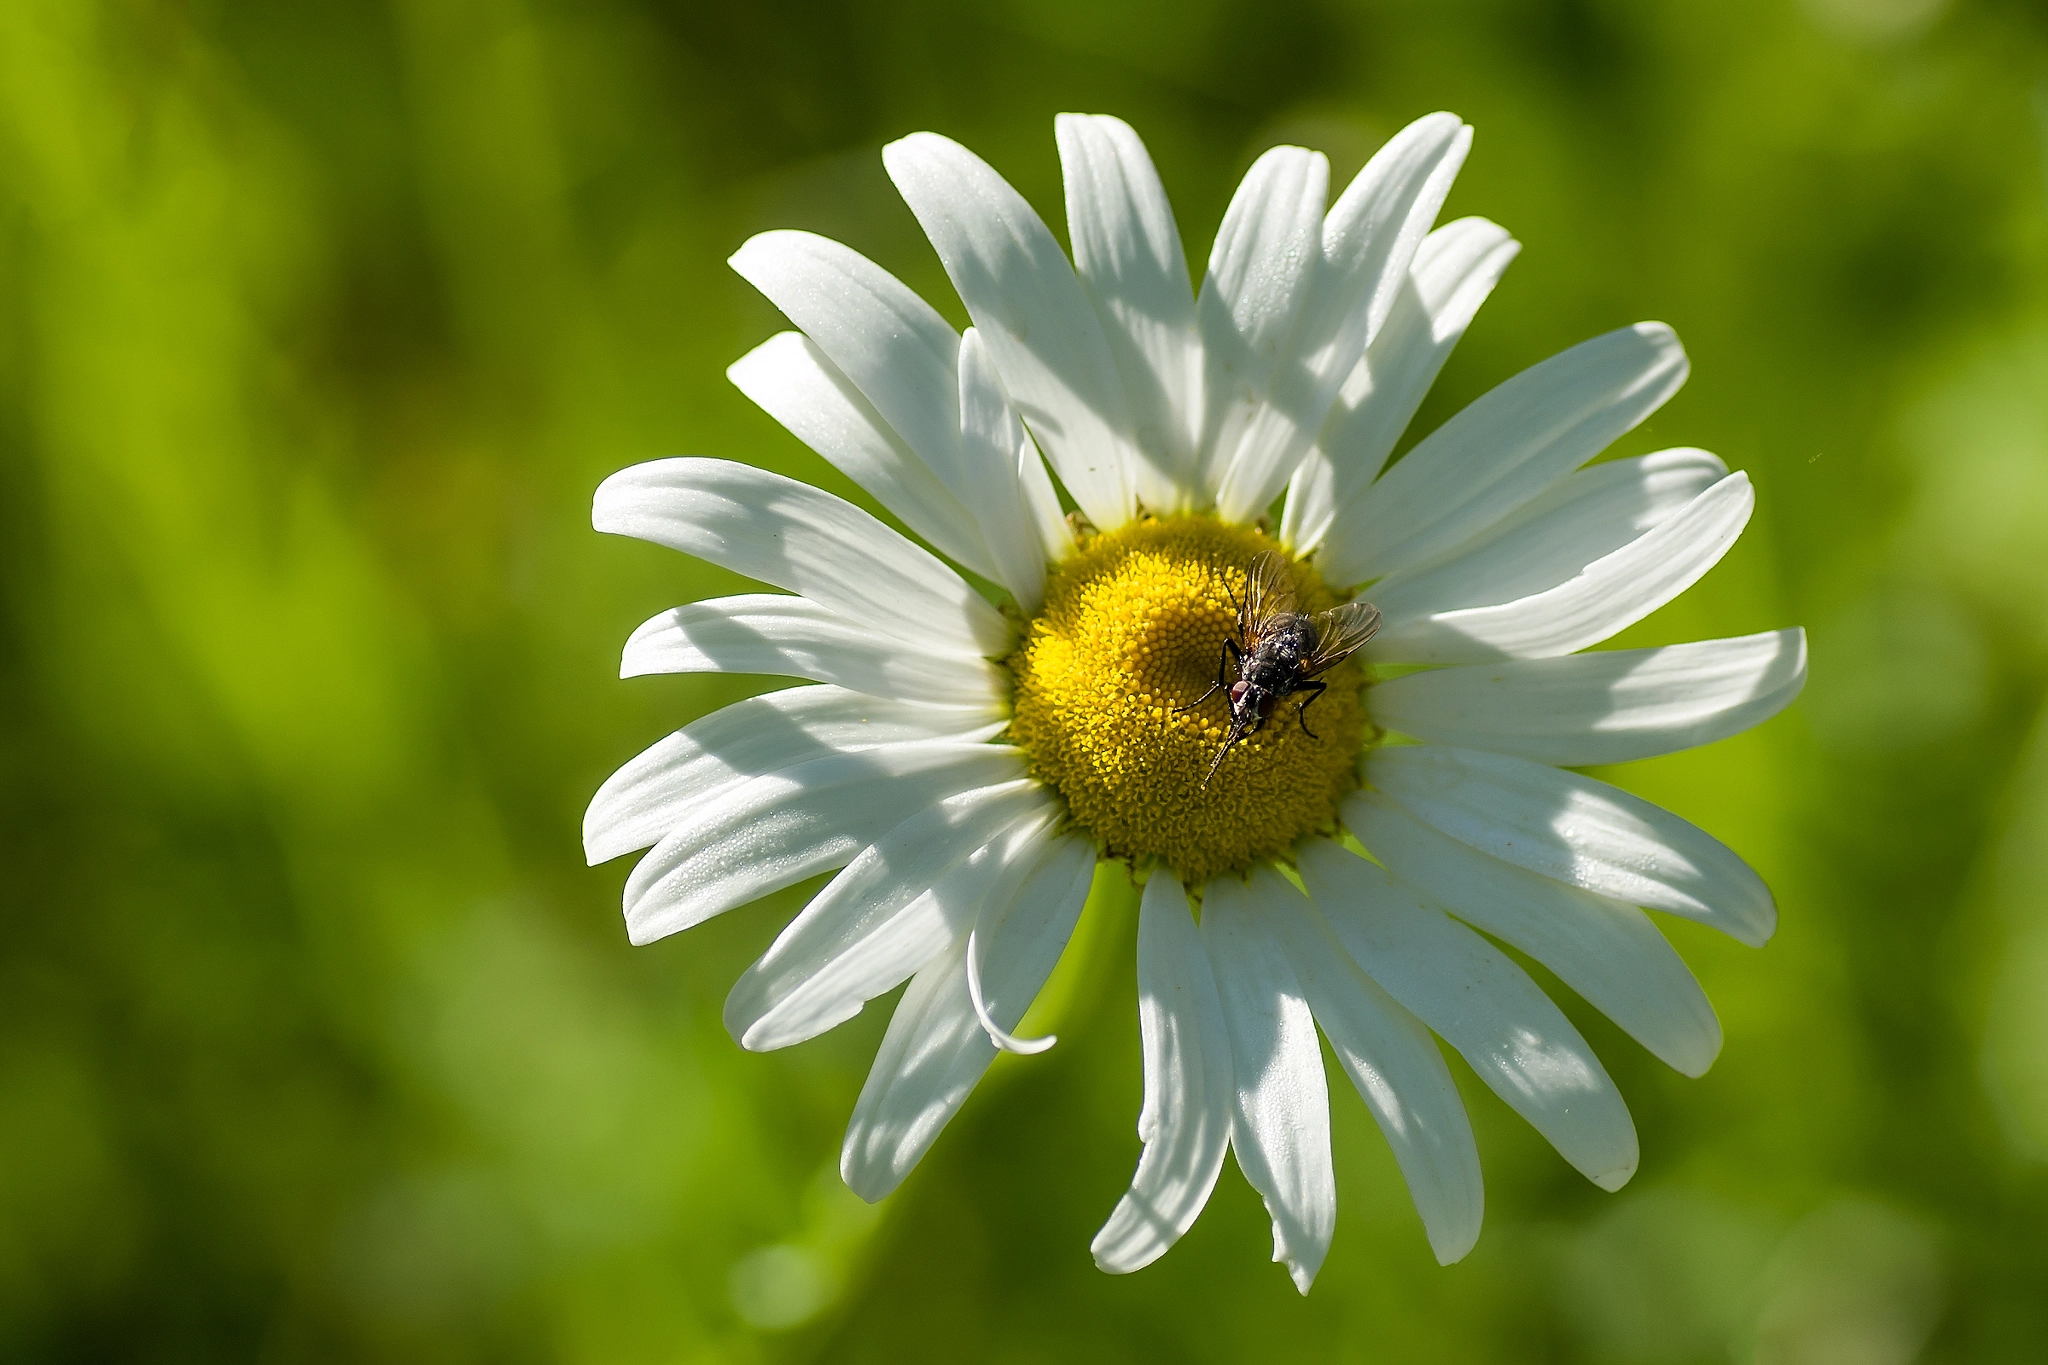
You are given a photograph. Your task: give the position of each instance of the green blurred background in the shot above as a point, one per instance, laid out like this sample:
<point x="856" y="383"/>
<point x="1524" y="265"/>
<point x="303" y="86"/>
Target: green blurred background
<point x="319" y="324"/>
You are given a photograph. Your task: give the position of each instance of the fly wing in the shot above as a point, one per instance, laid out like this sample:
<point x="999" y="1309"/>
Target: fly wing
<point x="1268" y="592"/>
<point x="1339" y="633"/>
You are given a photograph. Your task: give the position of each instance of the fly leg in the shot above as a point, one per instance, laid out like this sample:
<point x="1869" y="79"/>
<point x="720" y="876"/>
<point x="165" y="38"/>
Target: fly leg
<point x="1214" y="687"/>
<point x="1314" y="689"/>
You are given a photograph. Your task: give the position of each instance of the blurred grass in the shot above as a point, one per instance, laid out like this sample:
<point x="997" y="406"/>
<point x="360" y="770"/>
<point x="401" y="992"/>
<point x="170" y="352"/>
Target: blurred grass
<point x="319" y="324"/>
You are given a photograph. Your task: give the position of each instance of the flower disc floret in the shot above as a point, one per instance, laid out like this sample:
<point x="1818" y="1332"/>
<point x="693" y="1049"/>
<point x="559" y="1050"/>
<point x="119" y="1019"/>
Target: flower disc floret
<point x="1133" y="629"/>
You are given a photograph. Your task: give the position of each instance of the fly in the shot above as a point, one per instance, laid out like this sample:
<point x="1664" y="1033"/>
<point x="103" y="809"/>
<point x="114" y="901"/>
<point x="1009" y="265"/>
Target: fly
<point x="1279" y="651"/>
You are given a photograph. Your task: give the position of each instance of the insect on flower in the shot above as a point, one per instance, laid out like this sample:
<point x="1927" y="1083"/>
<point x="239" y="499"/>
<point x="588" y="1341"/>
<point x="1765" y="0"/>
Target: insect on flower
<point x="1279" y="651"/>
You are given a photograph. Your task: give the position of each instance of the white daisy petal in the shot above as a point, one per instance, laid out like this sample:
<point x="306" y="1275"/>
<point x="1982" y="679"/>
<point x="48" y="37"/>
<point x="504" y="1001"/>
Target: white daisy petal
<point x="932" y="1056"/>
<point x="1306" y="517"/>
<point x="798" y="385"/>
<point x="1368" y="240"/>
<point x="1606" y="950"/>
<point x="935" y="1050"/>
<point x="1261" y="270"/>
<point x="1016" y="943"/>
<point x="799" y="538"/>
<point x="1280" y="1128"/>
<point x="1032" y="313"/>
<point x="642" y="800"/>
<point x="1375" y="227"/>
<point x="738" y="843"/>
<point x="795" y="637"/>
<point x="1454" y="270"/>
<point x="1505" y="449"/>
<point x="894" y="907"/>
<point x="927" y="458"/>
<point x="1055" y="534"/>
<point x="1579" y="831"/>
<point x="991" y="441"/>
<point x="1607" y="707"/>
<point x="1551" y="540"/>
<point x="1127" y="252"/>
<point x="893" y="345"/>
<point x="1483" y="1005"/>
<point x="1185" y="1123"/>
<point x="1400" y="1074"/>
<point x="1612" y="593"/>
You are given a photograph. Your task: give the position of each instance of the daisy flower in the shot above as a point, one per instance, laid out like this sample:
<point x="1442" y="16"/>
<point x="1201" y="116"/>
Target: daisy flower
<point x="1017" y="694"/>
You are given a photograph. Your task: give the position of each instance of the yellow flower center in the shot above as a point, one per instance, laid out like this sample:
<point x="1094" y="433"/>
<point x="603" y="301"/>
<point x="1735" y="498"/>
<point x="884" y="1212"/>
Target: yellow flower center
<point x="1133" y="629"/>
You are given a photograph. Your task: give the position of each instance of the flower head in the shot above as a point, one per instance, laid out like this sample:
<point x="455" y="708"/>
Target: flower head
<point x="966" y="765"/>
